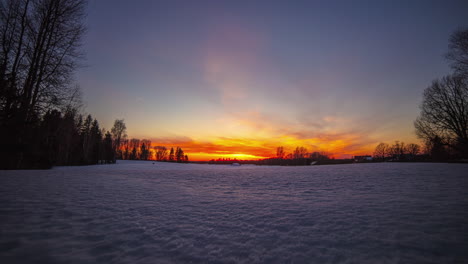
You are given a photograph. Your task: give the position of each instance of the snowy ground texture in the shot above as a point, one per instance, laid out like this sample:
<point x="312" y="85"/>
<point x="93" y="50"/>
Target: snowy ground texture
<point x="137" y="212"/>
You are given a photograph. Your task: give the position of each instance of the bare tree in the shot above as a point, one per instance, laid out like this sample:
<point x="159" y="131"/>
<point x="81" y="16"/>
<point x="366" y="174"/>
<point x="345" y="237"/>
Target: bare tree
<point x="135" y="150"/>
<point x="397" y="150"/>
<point x="40" y="44"/>
<point x="280" y="152"/>
<point x="119" y="133"/>
<point x="300" y="153"/>
<point x="381" y="151"/>
<point x="161" y="152"/>
<point x="124" y="148"/>
<point x="458" y="52"/>
<point x="317" y="156"/>
<point x="444" y="113"/>
<point x="413" y="149"/>
<point x="39" y="53"/>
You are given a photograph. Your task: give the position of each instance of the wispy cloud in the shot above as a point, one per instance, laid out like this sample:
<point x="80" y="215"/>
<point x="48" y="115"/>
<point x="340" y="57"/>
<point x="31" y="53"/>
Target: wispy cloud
<point x="231" y="57"/>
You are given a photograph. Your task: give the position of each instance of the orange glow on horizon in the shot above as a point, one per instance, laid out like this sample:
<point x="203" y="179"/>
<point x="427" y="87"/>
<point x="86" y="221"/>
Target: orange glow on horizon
<point x="251" y="135"/>
<point x="255" y="149"/>
<point x="236" y="156"/>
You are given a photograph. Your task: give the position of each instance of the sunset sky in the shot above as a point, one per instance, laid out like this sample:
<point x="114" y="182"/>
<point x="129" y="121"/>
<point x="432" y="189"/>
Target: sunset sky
<point x="239" y="78"/>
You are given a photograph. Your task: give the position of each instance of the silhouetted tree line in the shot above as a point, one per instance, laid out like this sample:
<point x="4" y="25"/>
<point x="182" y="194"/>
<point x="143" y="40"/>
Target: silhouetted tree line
<point x="39" y="52"/>
<point x="226" y="161"/>
<point x="399" y="151"/>
<point x="68" y="139"/>
<point x="136" y="149"/>
<point x="61" y="139"/>
<point x="299" y="157"/>
<point x="443" y="121"/>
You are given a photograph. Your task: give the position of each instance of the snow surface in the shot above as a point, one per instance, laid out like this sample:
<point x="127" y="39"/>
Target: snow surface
<point x="140" y="212"/>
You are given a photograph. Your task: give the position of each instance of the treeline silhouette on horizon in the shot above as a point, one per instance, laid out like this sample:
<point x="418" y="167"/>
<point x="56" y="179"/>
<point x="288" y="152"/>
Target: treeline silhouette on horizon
<point x="68" y="139"/>
<point x="136" y="149"/>
<point x="401" y="152"/>
<point x="299" y="157"/>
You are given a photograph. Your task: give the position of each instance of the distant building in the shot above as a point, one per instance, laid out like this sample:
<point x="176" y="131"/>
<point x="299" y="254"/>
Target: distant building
<point x="363" y="158"/>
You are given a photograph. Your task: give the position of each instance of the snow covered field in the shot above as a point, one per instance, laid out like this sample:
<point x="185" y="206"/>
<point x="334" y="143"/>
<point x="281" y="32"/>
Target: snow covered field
<point x="137" y="212"/>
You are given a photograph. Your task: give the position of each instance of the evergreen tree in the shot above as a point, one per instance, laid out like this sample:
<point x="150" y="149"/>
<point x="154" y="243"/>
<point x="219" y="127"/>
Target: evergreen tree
<point x="145" y="149"/>
<point x="133" y="154"/>
<point x="119" y="135"/>
<point x="171" y="155"/>
<point x="95" y="143"/>
<point x="179" y="155"/>
<point x="144" y="152"/>
<point x="109" y="154"/>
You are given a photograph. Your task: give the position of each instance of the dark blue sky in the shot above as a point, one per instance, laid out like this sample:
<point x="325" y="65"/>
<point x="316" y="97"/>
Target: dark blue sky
<point x="315" y="72"/>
